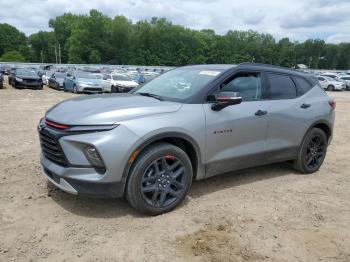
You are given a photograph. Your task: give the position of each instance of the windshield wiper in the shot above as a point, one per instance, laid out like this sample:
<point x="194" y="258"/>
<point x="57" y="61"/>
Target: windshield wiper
<point x="151" y="95"/>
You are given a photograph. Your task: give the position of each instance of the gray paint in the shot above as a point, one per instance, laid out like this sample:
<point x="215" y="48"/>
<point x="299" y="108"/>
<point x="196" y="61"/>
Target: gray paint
<point x="229" y="139"/>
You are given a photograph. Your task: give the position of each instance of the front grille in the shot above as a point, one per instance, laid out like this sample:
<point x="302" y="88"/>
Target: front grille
<point x="31" y="81"/>
<point x="51" y="148"/>
<point x="92" y="89"/>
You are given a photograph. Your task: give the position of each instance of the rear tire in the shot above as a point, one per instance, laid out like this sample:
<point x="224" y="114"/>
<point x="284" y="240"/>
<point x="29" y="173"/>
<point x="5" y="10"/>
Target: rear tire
<point x="159" y="179"/>
<point x="330" y="88"/>
<point x="312" y="152"/>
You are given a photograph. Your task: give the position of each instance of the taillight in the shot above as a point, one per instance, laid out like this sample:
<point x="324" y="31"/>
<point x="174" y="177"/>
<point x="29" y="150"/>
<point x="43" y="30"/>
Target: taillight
<point x="333" y="104"/>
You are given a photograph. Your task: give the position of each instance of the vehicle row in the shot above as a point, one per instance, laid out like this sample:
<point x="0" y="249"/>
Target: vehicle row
<point x="334" y="81"/>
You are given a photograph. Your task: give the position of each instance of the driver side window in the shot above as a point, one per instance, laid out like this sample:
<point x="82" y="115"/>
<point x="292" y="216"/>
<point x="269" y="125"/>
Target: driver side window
<point x="247" y="85"/>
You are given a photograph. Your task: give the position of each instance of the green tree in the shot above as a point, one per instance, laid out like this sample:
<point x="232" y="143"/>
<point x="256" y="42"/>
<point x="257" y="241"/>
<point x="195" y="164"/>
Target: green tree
<point x="12" y="56"/>
<point x="94" y="57"/>
<point x="43" y="45"/>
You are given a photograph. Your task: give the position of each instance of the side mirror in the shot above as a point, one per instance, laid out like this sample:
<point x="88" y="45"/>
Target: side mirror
<point x="225" y="99"/>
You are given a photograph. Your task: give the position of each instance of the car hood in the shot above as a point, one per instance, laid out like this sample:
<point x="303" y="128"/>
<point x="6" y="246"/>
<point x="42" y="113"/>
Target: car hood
<point x="107" y="109"/>
<point x="89" y="81"/>
<point x="60" y="80"/>
<point x="29" y="77"/>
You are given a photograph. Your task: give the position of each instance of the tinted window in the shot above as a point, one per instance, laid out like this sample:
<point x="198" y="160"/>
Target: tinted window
<point x="302" y="85"/>
<point x="247" y="85"/>
<point x="321" y="78"/>
<point x="281" y="87"/>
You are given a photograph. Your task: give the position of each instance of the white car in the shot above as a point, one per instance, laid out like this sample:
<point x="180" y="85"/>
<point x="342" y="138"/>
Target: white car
<point x="330" y="84"/>
<point x="118" y="83"/>
<point x="46" y="76"/>
<point x="346" y="80"/>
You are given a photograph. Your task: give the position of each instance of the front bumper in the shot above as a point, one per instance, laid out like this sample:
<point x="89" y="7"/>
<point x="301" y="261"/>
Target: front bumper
<point x="81" y="187"/>
<point x="90" y="89"/>
<point x="28" y="84"/>
<point x="77" y="176"/>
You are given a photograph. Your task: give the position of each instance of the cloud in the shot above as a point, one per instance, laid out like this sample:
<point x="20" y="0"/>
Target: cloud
<point x="296" y="19"/>
<point x="316" y="17"/>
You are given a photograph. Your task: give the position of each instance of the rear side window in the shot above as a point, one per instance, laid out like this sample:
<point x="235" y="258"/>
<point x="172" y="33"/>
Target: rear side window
<point x="281" y="87"/>
<point x="303" y="86"/>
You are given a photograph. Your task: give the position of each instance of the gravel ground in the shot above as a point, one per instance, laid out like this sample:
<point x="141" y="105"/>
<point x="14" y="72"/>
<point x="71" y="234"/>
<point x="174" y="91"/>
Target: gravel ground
<point x="269" y="213"/>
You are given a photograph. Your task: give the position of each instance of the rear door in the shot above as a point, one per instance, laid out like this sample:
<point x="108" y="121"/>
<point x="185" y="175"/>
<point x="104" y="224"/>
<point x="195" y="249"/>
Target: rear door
<point x="235" y="136"/>
<point x="290" y="113"/>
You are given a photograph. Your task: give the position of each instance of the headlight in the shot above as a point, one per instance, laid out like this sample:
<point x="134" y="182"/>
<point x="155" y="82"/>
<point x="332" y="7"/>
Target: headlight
<point x="19" y="79"/>
<point x="94" y="157"/>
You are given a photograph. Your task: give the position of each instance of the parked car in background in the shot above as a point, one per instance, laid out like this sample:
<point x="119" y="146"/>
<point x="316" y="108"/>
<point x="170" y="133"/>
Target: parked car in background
<point x="1" y="80"/>
<point x="346" y="80"/>
<point x="45" y="76"/>
<point x="22" y="78"/>
<point x="56" y="80"/>
<point x="188" y="124"/>
<point x="330" y="84"/>
<point x="83" y="82"/>
<point x="118" y="83"/>
<point x="330" y="75"/>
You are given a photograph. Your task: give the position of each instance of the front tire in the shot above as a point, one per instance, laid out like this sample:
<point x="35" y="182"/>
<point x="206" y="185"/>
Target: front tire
<point x="160" y="179"/>
<point x="114" y="89"/>
<point x="312" y="151"/>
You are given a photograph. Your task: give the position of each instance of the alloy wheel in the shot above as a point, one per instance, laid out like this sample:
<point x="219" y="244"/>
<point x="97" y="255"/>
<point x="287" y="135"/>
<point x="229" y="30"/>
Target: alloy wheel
<point x="315" y="151"/>
<point x="163" y="182"/>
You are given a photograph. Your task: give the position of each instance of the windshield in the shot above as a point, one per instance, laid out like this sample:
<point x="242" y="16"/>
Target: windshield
<point x="121" y="78"/>
<point x="180" y="83"/>
<point x="87" y="75"/>
<point x="23" y="72"/>
<point x="60" y="75"/>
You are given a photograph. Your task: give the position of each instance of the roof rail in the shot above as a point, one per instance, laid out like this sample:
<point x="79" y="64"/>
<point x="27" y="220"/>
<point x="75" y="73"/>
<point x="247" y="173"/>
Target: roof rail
<point x="271" y="66"/>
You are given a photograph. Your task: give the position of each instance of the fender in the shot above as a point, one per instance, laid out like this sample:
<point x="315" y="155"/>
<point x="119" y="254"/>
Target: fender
<point x="200" y="169"/>
<point x="323" y="122"/>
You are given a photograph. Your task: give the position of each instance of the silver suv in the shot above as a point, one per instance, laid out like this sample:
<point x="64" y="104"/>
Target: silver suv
<point x="188" y="124"/>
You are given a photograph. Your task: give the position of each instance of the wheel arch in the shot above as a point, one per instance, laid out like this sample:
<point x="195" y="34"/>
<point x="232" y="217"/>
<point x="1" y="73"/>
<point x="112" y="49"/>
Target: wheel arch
<point x="324" y="126"/>
<point x="181" y="140"/>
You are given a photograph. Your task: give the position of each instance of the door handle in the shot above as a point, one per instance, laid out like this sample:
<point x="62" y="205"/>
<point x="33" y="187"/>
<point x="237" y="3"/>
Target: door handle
<point x="304" y="106"/>
<point x="260" y="112"/>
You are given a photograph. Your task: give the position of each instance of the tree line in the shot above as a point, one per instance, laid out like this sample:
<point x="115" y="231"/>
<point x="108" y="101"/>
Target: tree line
<point x="96" y="38"/>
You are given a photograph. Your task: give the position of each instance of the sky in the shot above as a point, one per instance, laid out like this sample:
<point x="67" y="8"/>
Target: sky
<point x="297" y="19"/>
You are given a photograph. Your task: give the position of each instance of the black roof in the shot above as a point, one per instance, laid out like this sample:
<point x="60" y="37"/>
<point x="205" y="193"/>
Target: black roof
<point x="250" y="66"/>
<point x="212" y="66"/>
<point x="273" y="68"/>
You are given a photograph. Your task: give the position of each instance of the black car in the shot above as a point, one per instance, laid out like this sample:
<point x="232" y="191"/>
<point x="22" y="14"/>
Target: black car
<point x="22" y="78"/>
<point x="56" y="80"/>
<point x="1" y="80"/>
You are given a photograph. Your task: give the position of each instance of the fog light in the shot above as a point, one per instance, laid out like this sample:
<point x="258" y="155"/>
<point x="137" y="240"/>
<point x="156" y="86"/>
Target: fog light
<point x="94" y="157"/>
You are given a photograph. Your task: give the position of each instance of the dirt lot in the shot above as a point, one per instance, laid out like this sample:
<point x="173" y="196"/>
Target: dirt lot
<point x="269" y="213"/>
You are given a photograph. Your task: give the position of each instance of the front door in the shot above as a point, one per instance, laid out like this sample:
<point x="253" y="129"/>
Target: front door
<point x="235" y="136"/>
